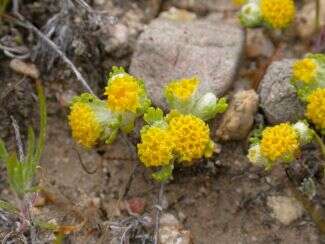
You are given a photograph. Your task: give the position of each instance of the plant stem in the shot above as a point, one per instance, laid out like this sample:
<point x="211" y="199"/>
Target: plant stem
<point x="159" y="210"/>
<point x="320" y="142"/>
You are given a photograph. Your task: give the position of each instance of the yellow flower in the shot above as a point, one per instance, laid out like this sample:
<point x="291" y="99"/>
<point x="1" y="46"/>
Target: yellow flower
<point x="156" y="147"/>
<point x="279" y="142"/>
<point x="182" y="89"/>
<point x="190" y="135"/>
<point x="123" y="91"/>
<point x="316" y="108"/>
<point x="86" y="129"/>
<point x="278" y="13"/>
<point x="305" y="70"/>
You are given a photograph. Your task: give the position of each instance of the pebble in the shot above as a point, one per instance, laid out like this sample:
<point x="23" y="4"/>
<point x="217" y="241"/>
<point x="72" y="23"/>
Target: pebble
<point x="28" y="69"/>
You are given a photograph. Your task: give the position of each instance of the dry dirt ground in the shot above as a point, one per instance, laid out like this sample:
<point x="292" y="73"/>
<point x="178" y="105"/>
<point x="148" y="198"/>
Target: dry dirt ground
<point x="220" y="201"/>
<point x="223" y="200"/>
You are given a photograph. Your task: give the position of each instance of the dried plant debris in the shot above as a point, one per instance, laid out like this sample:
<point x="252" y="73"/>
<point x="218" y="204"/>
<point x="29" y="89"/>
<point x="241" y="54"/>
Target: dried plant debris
<point x="69" y="28"/>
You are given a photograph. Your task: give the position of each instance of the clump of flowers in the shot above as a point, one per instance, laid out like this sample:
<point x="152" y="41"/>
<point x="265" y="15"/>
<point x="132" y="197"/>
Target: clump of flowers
<point x="279" y="144"/>
<point x="183" y="96"/>
<point x="308" y="74"/>
<point x="93" y="120"/>
<point x="315" y="111"/>
<point x="90" y="120"/>
<point x="175" y="138"/>
<point x="277" y="14"/>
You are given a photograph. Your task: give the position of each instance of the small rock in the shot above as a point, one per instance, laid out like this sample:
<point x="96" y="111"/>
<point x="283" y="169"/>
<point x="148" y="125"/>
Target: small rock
<point x="168" y="235"/>
<point x="285" y="209"/>
<point x="135" y="206"/>
<point x="239" y="118"/>
<point x="172" y="232"/>
<point x="178" y="14"/>
<point x="258" y="44"/>
<point x="40" y="201"/>
<point x="305" y="20"/>
<point x="23" y="68"/>
<point x="169" y="50"/>
<point x="278" y="96"/>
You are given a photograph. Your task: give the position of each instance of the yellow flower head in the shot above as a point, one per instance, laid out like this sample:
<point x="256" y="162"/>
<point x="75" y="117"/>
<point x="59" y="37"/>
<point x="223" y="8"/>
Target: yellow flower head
<point x="85" y="128"/>
<point x="305" y="70"/>
<point x="123" y="91"/>
<point x="279" y="142"/>
<point x="316" y="108"/>
<point x="182" y="89"/>
<point x="278" y="13"/>
<point x="190" y="135"/>
<point x="156" y="147"/>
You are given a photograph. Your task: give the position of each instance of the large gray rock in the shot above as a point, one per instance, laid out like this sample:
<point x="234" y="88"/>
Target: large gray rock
<point x="278" y="96"/>
<point x="169" y="50"/>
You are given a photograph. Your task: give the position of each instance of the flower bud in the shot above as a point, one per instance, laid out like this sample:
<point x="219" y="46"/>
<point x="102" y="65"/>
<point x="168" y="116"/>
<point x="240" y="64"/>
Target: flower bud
<point x="250" y="15"/>
<point x="255" y="156"/>
<point x="205" y="108"/>
<point x="304" y="132"/>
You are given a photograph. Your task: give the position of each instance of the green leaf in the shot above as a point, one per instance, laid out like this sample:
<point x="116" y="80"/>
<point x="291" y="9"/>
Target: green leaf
<point x="222" y="105"/>
<point x="30" y="145"/>
<point x="115" y="71"/>
<point x="43" y="123"/>
<point x="8" y="207"/>
<point x="153" y="115"/>
<point x="29" y="167"/>
<point x="3" y="151"/>
<point x="256" y="135"/>
<point x="15" y="174"/>
<point x="164" y="174"/>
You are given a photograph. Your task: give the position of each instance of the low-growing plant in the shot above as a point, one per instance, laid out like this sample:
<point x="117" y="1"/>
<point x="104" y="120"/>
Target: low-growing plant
<point x="182" y="136"/>
<point x="21" y="169"/>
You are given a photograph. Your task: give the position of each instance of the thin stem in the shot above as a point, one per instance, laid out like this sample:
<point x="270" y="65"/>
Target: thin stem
<point x="320" y="142"/>
<point x="159" y="210"/>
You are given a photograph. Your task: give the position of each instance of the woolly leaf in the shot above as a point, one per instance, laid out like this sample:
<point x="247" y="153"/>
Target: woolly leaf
<point x="164" y="174"/>
<point x="153" y="115"/>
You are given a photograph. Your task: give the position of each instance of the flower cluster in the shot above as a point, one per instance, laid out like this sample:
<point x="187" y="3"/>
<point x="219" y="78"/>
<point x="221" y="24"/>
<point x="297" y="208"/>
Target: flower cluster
<point x="182" y="136"/>
<point x="308" y="74"/>
<point x="86" y="129"/>
<point x="173" y="138"/>
<point x="279" y="144"/>
<point x="125" y="93"/>
<point x="191" y="137"/>
<point x="277" y="14"/>
<point x="93" y="120"/>
<point x="156" y="147"/>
